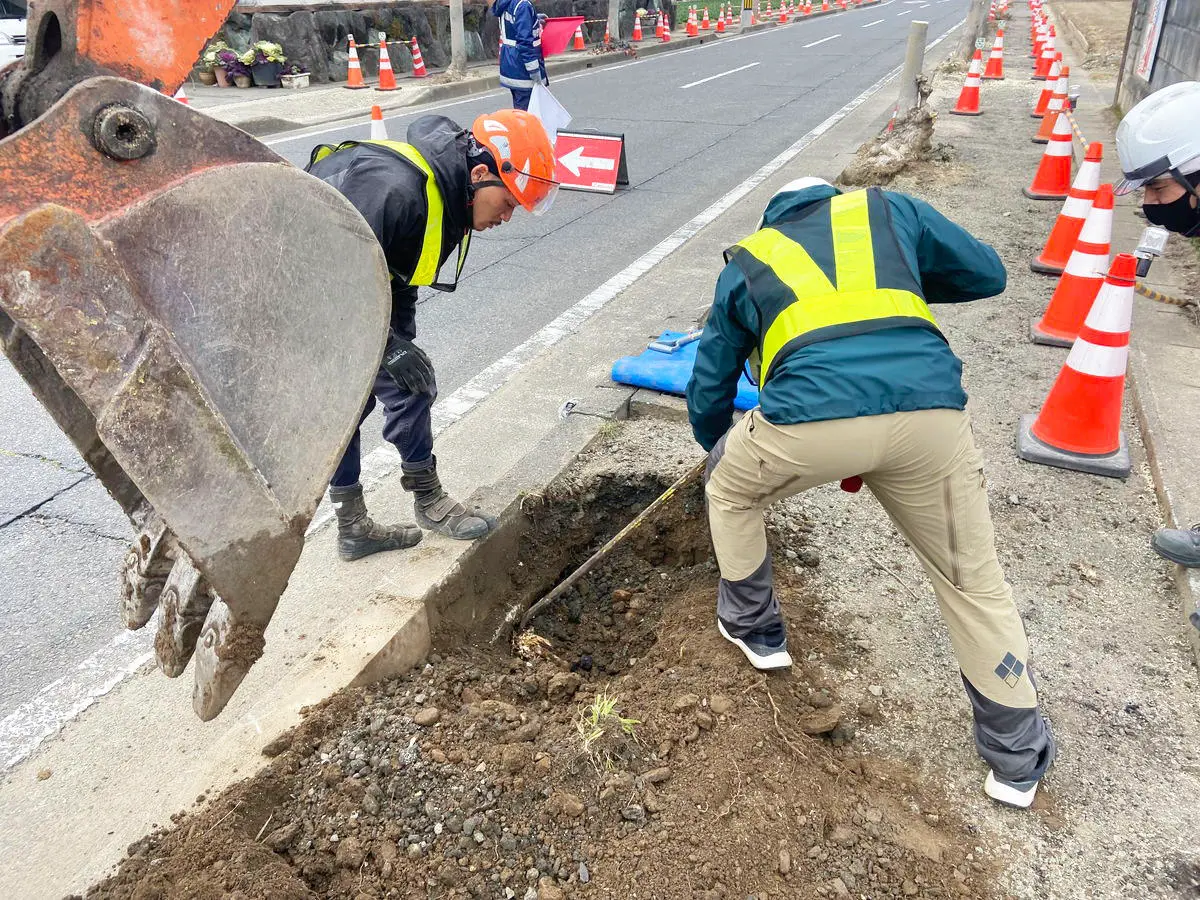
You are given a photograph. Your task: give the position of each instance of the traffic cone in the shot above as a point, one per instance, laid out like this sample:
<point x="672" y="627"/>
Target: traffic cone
<point x="637" y="30"/>
<point x="690" y="27"/>
<point x="1042" y="70"/>
<point x="578" y="42"/>
<point x="354" y="77"/>
<point x="1065" y="233"/>
<point x="824" y="6"/>
<point x="995" y="63"/>
<point x="658" y="29"/>
<point x="1053" y="178"/>
<point x="418" y="60"/>
<point x="1079" y="426"/>
<point x="607" y="35"/>
<point x="378" y="128"/>
<point x="1058" y="103"/>
<point x="783" y="14"/>
<point x="666" y="35"/>
<point x="705" y="24"/>
<point x="387" y="78"/>
<point x="182" y="97"/>
<point x="1043" y="101"/>
<point x="721" y="21"/>
<point x="1082" y="277"/>
<point x="968" y="97"/>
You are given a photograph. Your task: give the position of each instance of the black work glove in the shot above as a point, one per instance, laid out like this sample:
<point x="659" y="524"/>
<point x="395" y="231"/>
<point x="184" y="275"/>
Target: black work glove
<point x="408" y="365"/>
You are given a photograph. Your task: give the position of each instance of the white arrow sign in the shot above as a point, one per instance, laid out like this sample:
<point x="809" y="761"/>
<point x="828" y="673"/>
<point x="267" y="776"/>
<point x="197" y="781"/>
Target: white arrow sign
<point x="575" y="160"/>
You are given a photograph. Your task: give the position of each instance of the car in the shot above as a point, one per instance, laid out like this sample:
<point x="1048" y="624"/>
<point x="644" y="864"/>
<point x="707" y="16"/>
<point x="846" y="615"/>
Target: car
<point x="12" y="30"/>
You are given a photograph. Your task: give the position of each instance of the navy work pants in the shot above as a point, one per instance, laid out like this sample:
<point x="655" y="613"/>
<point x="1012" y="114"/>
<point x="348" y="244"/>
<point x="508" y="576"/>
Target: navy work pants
<point x="406" y="423"/>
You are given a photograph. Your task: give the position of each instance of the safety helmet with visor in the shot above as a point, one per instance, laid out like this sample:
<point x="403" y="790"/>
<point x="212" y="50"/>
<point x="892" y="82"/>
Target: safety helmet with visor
<point x="523" y="155"/>
<point x="1161" y="136"/>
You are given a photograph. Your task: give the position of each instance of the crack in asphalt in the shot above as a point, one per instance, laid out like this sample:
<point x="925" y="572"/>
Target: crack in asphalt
<point x="33" y="509"/>
<point x="50" y="461"/>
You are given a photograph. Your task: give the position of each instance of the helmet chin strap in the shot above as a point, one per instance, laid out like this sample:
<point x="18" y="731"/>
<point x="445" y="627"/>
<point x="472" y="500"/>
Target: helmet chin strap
<point x="476" y="185"/>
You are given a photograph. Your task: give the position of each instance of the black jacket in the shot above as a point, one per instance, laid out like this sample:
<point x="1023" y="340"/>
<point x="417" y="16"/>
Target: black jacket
<point x="390" y="194"/>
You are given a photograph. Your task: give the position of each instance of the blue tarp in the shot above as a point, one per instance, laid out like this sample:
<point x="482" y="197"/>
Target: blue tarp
<point x="669" y="372"/>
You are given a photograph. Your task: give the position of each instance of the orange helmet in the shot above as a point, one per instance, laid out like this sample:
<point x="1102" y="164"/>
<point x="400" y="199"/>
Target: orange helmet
<point x="523" y="154"/>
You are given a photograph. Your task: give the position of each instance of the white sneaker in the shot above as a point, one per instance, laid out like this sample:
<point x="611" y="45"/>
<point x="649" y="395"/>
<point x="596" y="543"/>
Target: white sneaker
<point x="763" y="655"/>
<point x="1017" y="794"/>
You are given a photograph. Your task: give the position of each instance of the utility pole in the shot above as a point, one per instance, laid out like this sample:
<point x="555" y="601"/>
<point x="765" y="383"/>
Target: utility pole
<point x="614" y="20"/>
<point x="914" y="62"/>
<point x="458" y="41"/>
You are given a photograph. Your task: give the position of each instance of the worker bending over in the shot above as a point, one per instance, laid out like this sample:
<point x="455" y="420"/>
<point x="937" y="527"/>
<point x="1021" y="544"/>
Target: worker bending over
<point x="423" y="199"/>
<point x="828" y="302"/>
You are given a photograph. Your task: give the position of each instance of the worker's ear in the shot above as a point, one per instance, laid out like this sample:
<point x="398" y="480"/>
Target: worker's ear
<point x="481" y="173"/>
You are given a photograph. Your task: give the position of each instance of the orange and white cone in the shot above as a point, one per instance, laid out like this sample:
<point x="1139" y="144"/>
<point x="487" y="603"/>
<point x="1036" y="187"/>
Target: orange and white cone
<point x="387" y="78"/>
<point x="995" y="63"/>
<point x="666" y="35"/>
<point x="824" y="6"/>
<point x="578" y="41"/>
<point x="607" y="35"/>
<point x="1058" y="103"/>
<point x="1067" y="227"/>
<point x="690" y="27"/>
<point x="658" y="29"/>
<point x="637" y="30"/>
<point x="418" y="61"/>
<point x="968" y="97"/>
<point x="705" y="23"/>
<point x="1052" y="181"/>
<point x="1043" y="101"/>
<point x="1045" y="61"/>
<point x="721" y="21"/>
<point x="354" y="76"/>
<point x="1082" y="277"/>
<point x="1079" y="426"/>
<point x="182" y="97"/>
<point x="378" y="128"/>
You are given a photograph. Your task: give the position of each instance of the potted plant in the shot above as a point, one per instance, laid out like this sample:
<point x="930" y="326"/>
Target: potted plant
<point x="212" y="66"/>
<point x="265" y="60"/>
<point x="235" y="70"/>
<point x="294" y="76"/>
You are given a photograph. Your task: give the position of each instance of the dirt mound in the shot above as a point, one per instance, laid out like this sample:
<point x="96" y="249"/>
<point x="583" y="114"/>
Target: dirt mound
<point x="887" y="155"/>
<point x="623" y="750"/>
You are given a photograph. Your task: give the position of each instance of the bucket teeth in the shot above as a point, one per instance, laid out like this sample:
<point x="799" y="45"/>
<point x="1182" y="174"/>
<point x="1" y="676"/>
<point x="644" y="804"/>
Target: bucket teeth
<point x="186" y="600"/>
<point x="144" y="572"/>
<point x="226" y="650"/>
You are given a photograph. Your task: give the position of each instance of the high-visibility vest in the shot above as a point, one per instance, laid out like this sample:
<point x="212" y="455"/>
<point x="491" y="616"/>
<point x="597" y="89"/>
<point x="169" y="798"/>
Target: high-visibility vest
<point x="832" y="271"/>
<point x="430" y="258"/>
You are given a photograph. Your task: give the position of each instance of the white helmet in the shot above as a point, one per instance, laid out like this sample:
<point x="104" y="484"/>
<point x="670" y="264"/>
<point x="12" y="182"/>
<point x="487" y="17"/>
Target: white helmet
<point x="1160" y="135"/>
<point x="798" y="184"/>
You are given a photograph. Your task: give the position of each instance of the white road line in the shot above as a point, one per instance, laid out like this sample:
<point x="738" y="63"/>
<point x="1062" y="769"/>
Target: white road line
<point x="822" y="40"/>
<point x="718" y="75"/>
<point x="55" y="705"/>
<point x="876" y="22"/>
<point x="904" y="13"/>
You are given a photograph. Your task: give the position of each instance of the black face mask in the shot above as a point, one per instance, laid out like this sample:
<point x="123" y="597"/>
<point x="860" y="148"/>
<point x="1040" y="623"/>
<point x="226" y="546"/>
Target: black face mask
<point x="1180" y="215"/>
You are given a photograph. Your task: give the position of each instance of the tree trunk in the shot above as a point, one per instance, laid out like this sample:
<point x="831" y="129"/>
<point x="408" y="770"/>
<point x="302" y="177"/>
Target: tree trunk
<point x="974" y="28"/>
<point x="458" y="41"/>
<point x="614" y="20"/>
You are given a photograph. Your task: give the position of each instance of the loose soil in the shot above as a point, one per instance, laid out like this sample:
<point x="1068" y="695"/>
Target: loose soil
<point x="473" y="778"/>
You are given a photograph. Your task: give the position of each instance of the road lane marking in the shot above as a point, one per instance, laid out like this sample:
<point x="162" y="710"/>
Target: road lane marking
<point x="821" y="41"/>
<point x="876" y="22"/>
<point x="905" y="13"/>
<point x="718" y="75"/>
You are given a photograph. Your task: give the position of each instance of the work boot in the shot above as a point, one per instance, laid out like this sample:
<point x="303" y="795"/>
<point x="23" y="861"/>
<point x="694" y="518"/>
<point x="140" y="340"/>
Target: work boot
<point x="766" y="649"/>
<point x="438" y="511"/>
<point x="358" y="534"/>
<point x="1179" y="545"/>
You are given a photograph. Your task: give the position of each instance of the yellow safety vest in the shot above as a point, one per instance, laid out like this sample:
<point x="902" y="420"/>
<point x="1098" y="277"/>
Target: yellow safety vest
<point x="834" y="270"/>
<point x="430" y="259"/>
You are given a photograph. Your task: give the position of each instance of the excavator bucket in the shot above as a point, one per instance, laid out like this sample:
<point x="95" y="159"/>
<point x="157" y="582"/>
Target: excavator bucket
<point x="202" y="319"/>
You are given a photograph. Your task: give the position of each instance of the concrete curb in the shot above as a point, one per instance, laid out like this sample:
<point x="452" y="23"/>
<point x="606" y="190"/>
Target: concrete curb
<point x="269" y="126"/>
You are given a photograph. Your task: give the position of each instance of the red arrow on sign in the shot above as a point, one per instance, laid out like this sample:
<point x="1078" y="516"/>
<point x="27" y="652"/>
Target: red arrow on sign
<point x="590" y="161"/>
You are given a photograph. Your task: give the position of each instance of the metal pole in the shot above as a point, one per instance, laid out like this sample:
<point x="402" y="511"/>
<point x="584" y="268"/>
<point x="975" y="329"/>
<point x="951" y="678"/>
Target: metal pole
<point x="914" y="62"/>
<point x="747" y="7"/>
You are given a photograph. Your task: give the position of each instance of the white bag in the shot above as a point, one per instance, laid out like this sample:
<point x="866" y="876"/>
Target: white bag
<point x="546" y="107"/>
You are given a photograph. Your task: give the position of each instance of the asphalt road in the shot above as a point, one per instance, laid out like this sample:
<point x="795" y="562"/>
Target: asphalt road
<point x="697" y="122"/>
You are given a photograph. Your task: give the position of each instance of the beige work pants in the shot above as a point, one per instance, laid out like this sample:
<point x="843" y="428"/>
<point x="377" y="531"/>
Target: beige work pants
<point x="925" y="471"/>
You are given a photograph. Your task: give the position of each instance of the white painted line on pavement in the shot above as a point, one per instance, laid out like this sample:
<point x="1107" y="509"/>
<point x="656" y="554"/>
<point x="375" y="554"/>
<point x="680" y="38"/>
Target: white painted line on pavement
<point x="904" y="13"/>
<point x="55" y="705"/>
<point x="718" y="75"/>
<point x="23" y="729"/>
<point x="876" y="22"/>
<point x="821" y="41"/>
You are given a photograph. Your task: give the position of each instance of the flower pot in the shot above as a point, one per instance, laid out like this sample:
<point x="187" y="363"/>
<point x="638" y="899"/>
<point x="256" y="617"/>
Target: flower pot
<point x="222" y="78"/>
<point x="266" y="74"/>
<point x="207" y="78"/>
<point x="295" y="81"/>
<point x="243" y="81"/>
